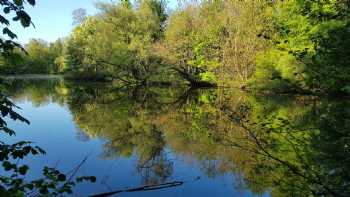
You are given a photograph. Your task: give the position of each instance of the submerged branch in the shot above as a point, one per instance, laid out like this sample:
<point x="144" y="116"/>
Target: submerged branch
<point x="143" y="188"/>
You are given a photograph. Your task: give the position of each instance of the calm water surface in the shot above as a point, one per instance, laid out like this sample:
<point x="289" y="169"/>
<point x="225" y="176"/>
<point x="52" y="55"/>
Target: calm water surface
<point x="218" y="142"/>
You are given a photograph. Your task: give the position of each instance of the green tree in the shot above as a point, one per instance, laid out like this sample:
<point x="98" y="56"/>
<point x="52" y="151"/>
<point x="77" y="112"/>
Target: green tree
<point x="37" y="57"/>
<point x="215" y="42"/>
<point x="38" y="60"/>
<point x="13" y="62"/>
<point x="186" y="49"/>
<point x="118" y="41"/>
<point x="309" y="52"/>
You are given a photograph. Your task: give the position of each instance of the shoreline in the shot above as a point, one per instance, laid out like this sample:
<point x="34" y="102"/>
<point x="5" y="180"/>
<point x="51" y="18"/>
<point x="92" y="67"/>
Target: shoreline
<point x="31" y="76"/>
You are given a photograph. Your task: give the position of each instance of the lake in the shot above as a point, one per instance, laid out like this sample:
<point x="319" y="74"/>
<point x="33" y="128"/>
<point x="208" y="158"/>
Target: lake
<point x="216" y="142"/>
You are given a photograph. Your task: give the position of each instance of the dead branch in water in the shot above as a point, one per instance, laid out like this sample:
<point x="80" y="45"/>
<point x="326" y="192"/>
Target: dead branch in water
<point x="143" y="188"/>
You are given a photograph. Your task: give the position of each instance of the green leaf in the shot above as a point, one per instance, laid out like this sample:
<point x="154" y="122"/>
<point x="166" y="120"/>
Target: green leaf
<point x="31" y="2"/>
<point x="23" y="170"/>
<point x="16" y="18"/>
<point x="7" y="10"/>
<point x="30" y="186"/>
<point x="25" y="21"/>
<point x="346" y="89"/>
<point x="7" y="165"/>
<point x="8" y="131"/>
<point x="18" y="2"/>
<point x="93" y="179"/>
<point x="9" y="33"/>
<point x="61" y="177"/>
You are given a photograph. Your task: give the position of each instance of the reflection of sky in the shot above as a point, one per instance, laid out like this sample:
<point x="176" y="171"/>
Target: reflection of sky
<point x="54" y="130"/>
<point x="53" y="19"/>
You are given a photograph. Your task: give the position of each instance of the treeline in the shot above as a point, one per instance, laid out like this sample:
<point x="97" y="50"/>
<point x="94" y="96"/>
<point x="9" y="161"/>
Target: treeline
<point x="283" y="46"/>
<point x="38" y="57"/>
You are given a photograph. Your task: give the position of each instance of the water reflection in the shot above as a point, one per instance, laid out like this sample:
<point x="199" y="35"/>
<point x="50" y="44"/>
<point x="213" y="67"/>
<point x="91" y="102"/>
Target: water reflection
<point x="281" y="145"/>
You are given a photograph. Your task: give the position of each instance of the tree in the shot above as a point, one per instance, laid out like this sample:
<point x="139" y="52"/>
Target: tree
<point x="55" y="52"/>
<point x="79" y="16"/>
<point x="13" y="62"/>
<point x="210" y="42"/>
<point x="39" y="60"/>
<point x="37" y="57"/>
<point x="308" y="52"/>
<point x="181" y="43"/>
<point x="118" y="41"/>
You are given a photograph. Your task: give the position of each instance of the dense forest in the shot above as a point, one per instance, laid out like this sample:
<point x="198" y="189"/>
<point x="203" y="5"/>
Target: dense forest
<point x="280" y="46"/>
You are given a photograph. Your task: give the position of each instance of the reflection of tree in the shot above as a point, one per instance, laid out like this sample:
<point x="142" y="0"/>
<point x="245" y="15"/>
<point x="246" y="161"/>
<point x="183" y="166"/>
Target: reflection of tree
<point x="297" y="164"/>
<point x="156" y="169"/>
<point x="81" y="135"/>
<point x="36" y="91"/>
<point x="143" y="121"/>
<point x="124" y="120"/>
<point x="287" y="146"/>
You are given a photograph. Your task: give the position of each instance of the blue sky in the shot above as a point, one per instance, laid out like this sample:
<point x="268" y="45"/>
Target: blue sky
<point x="53" y="19"/>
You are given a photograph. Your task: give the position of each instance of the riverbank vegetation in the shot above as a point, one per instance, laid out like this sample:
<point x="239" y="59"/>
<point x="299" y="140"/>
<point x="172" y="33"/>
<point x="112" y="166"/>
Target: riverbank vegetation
<point x="279" y="46"/>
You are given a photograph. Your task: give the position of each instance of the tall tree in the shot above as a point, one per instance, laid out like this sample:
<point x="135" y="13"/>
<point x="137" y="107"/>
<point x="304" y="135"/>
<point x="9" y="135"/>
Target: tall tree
<point x="79" y="16"/>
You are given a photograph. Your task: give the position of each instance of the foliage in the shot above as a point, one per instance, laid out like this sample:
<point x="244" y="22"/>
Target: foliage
<point x="7" y="45"/>
<point x="283" y="46"/>
<point x="212" y="41"/>
<point x="39" y="57"/>
<point x="11" y="62"/>
<point x="13" y="7"/>
<point x="13" y="182"/>
<point x="309" y="50"/>
<point x="185" y="49"/>
<point x="118" y="41"/>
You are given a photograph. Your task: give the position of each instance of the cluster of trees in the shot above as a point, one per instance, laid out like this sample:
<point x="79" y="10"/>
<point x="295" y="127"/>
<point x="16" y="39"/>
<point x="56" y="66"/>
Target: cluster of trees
<point x="289" y="46"/>
<point x="309" y="47"/>
<point x="39" y="57"/>
<point x="215" y="41"/>
<point x="118" y="41"/>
